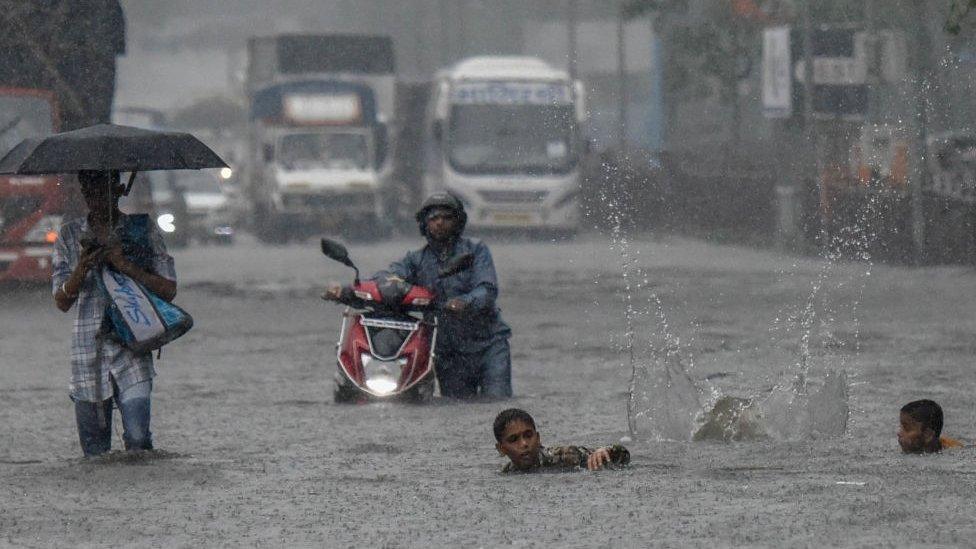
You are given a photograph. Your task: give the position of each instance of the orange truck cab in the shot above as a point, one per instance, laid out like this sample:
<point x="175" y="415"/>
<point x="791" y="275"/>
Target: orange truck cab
<point x="31" y="207"/>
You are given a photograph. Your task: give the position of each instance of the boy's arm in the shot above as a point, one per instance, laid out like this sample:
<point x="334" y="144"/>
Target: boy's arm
<point x="567" y="456"/>
<point x="608" y="455"/>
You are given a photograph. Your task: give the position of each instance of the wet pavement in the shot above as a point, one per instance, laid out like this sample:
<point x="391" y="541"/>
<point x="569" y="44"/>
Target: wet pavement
<point x="256" y="453"/>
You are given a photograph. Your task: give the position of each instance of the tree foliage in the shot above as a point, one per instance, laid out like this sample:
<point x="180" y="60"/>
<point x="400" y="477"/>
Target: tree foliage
<point x="958" y="11"/>
<point x="67" y="47"/>
<point x="713" y="52"/>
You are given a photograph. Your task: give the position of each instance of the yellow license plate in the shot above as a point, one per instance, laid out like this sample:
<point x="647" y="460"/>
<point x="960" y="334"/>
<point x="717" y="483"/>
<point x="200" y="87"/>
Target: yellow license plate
<point x="512" y="218"/>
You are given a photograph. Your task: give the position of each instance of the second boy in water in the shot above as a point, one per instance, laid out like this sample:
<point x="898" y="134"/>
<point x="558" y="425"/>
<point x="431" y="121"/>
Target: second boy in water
<point x="920" y="429"/>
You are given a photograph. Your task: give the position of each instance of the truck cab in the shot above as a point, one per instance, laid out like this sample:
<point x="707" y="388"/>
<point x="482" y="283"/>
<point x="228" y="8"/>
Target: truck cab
<point x="318" y="135"/>
<point x="316" y="157"/>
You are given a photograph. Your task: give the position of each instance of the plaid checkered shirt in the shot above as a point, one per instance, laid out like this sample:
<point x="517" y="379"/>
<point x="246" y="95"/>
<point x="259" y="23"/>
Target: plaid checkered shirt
<point x="97" y="360"/>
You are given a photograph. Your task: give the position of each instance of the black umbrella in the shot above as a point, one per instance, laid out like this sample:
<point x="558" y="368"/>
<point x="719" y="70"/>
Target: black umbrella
<point x="111" y="148"/>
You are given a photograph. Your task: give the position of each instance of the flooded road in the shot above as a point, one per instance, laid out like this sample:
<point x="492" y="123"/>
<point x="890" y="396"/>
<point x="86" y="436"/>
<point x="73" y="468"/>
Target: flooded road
<point x="254" y="452"/>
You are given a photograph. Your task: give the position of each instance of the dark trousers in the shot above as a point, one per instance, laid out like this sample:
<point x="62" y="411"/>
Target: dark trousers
<point x="487" y="373"/>
<point x="95" y="420"/>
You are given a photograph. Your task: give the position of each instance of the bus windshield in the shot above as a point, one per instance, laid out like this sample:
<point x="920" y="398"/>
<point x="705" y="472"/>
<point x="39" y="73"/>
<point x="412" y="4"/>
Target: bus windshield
<point x="337" y="151"/>
<point x="512" y="138"/>
<point x="21" y="117"/>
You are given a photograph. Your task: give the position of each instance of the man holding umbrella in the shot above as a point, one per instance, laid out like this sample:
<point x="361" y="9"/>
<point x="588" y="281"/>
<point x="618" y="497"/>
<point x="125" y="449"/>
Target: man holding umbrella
<point x="102" y="370"/>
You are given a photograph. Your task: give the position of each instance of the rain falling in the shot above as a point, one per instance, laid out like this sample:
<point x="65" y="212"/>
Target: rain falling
<point x="349" y="273"/>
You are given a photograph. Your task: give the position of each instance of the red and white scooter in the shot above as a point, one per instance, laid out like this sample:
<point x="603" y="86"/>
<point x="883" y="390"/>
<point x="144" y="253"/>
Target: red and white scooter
<point x="389" y="331"/>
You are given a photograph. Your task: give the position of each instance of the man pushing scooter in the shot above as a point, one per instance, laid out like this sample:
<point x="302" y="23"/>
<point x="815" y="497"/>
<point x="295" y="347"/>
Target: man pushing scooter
<point x="473" y="355"/>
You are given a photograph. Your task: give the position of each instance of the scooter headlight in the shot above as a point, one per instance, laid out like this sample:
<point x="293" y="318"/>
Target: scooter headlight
<point x="382" y="377"/>
<point x="381" y="385"/>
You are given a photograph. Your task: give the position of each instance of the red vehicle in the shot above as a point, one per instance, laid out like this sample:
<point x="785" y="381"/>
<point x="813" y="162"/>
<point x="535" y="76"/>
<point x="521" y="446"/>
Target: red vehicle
<point x="389" y="331"/>
<point x="31" y="207"/>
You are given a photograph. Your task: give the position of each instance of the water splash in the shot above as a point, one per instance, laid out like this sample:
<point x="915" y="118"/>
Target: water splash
<point x="661" y="389"/>
<point x="812" y="397"/>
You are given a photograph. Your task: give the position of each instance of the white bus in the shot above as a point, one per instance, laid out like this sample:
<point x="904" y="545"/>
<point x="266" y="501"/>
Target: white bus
<point x="504" y="136"/>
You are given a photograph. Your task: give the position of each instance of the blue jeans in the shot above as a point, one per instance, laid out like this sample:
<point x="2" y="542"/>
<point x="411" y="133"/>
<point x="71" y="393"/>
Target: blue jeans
<point x="487" y="373"/>
<point x="95" y="420"/>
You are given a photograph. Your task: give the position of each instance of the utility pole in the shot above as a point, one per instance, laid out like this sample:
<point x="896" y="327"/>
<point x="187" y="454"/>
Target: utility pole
<point x="622" y="81"/>
<point x="420" y="43"/>
<point x="873" y="60"/>
<point x="463" y="38"/>
<point x="809" y="124"/>
<point x="572" y="17"/>
<point x="445" y="32"/>
<point x="919" y="126"/>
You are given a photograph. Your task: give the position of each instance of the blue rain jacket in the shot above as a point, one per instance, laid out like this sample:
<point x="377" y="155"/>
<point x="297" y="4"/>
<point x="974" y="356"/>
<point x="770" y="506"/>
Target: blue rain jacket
<point x="480" y="324"/>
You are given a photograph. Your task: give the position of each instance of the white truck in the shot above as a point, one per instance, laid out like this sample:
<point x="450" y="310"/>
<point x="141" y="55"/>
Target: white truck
<point x="504" y="137"/>
<point x="320" y="107"/>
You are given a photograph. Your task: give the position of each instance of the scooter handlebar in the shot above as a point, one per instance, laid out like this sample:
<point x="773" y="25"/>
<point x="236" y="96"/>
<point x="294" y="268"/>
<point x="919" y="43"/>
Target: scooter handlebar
<point x="347" y="296"/>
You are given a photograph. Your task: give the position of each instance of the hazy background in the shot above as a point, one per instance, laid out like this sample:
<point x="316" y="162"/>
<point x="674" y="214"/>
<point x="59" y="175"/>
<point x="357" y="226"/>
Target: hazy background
<point x="181" y="51"/>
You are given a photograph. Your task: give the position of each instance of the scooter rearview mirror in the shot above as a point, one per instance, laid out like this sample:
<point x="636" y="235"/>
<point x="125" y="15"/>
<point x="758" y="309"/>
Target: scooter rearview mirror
<point x="336" y="251"/>
<point x="456" y="264"/>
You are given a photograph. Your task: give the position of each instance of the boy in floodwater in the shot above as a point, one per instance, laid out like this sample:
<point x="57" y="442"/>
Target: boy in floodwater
<point x="518" y="440"/>
<point x="921" y="429"/>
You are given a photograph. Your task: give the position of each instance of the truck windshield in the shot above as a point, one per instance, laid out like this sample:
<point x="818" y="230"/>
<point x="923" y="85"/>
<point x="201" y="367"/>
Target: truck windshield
<point x="337" y="151"/>
<point x="512" y="138"/>
<point x="22" y="117"/>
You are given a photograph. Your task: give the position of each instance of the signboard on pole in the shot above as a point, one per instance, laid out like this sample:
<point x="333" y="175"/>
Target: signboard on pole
<point x="777" y="80"/>
<point x="839" y="73"/>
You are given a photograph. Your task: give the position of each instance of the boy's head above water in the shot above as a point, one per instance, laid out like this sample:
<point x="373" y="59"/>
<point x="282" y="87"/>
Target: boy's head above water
<point x="517" y="437"/>
<point x="921" y="427"/>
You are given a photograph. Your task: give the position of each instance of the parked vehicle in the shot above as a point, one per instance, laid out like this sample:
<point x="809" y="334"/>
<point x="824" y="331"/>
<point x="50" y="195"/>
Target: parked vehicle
<point x="31" y="207"/>
<point x="949" y="199"/>
<point x="320" y="107"/>
<point x="389" y="331"/>
<point x="208" y="205"/>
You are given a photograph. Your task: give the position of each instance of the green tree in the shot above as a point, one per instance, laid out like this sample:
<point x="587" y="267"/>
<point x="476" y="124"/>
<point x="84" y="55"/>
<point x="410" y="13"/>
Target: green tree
<point x="958" y="11"/>
<point x="704" y="56"/>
